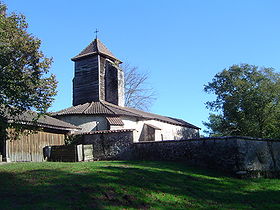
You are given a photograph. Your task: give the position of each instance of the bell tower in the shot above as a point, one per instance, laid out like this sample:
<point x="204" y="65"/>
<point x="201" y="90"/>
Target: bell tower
<point x="97" y="76"/>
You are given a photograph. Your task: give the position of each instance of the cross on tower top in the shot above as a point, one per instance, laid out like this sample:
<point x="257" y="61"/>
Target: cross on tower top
<point x="96" y="31"/>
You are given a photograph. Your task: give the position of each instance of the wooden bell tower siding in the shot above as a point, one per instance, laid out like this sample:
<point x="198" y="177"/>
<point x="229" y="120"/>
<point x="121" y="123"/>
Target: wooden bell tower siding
<point x="97" y="76"/>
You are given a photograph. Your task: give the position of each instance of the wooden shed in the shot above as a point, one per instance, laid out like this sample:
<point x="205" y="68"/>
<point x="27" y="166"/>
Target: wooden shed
<point x="48" y="131"/>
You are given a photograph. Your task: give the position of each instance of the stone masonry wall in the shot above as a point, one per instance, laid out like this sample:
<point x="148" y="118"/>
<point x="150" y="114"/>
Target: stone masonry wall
<point x="213" y="153"/>
<point x="241" y="156"/>
<point x="110" y="146"/>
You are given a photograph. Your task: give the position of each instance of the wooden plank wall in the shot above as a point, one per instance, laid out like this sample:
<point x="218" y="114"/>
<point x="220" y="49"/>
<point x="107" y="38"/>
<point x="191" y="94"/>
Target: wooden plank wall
<point x="86" y="81"/>
<point x="30" y="147"/>
<point x="65" y="153"/>
<point x="88" y="152"/>
<point x="72" y="153"/>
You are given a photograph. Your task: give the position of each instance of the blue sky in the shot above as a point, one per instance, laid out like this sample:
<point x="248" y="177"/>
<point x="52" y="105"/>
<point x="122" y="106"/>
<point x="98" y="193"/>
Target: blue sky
<point x="182" y="43"/>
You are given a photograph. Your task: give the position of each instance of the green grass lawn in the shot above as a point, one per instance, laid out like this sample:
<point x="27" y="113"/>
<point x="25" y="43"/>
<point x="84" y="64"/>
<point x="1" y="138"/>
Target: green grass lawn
<point x="129" y="185"/>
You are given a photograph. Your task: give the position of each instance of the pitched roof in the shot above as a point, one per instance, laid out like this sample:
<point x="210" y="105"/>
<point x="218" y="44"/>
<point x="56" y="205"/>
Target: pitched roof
<point x="87" y="108"/>
<point x="152" y="116"/>
<point x="44" y="121"/>
<point x="106" y="108"/>
<point x="95" y="47"/>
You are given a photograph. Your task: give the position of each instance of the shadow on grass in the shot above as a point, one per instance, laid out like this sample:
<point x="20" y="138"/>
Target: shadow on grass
<point x="131" y="185"/>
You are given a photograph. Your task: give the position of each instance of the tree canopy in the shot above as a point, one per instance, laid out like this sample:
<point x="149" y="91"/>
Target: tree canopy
<point x="247" y="102"/>
<point x="25" y="82"/>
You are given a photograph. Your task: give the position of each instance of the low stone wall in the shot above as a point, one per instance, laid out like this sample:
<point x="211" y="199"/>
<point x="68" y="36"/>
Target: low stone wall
<point x="113" y="145"/>
<point x="241" y="156"/>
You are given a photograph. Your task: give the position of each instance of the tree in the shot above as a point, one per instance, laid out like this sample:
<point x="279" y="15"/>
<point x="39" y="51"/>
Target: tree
<point x="25" y="82"/>
<point x="247" y="102"/>
<point x="138" y="93"/>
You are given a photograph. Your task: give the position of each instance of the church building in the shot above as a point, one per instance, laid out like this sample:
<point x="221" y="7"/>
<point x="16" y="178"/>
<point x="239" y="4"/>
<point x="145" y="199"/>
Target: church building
<point x="98" y="101"/>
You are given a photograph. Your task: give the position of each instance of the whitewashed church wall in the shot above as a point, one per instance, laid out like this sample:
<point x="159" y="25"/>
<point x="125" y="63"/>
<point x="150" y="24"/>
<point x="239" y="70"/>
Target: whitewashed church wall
<point x="174" y="132"/>
<point x="167" y="132"/>
<point x="116" y="127"/>
<point x="87" y="123"/>
<point x="133" y="123"/>
<point x="158" y="136"/>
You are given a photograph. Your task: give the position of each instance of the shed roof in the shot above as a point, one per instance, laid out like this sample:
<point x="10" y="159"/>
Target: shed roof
<point x="108" y="109"/>
<point x="114" y="121"/>
<point x="95" y="47"/>
<point x="152" y="126"/>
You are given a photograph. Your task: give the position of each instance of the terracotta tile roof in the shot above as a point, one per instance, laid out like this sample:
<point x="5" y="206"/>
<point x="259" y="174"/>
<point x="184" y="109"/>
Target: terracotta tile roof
<point x="105" y="108"/>
<point x="95" y="47"/>
<point x="121" y="110"/>
<point x="87" y="108"/>
<point x="114" y="121"/>
<point x="151" y="116"/>
<point x="43" y="121"/>
<point x="108" y="131"/>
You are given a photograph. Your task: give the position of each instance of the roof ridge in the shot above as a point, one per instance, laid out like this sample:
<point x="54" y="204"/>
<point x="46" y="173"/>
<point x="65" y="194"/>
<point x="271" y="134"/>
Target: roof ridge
<point x="102" y="102"/>
<point x="84" y="111"/>
<point x="154" y="114"/>
<point x="56" y="112"/>
<point x="97" y="47"/>
<point x="120" y="108"/>
<point x="130" y="109"/>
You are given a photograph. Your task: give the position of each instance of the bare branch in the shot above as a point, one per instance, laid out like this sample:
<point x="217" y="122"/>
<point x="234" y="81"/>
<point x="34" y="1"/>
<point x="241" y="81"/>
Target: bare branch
<point x="138" y="93"/>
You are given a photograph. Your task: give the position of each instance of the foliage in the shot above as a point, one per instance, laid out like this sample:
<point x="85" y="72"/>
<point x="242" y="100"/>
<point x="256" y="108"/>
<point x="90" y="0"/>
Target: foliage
<point x="25" y="82"/>
<point x="138" y="93"/>
<point x="247" y="102"/>
<point x="130" y="185"/>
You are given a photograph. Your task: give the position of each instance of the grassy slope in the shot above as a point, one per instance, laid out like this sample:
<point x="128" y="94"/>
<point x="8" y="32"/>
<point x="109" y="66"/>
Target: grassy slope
<point x="119" y="184"/>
